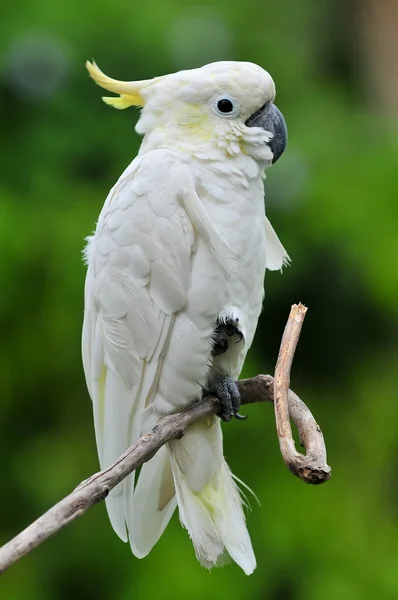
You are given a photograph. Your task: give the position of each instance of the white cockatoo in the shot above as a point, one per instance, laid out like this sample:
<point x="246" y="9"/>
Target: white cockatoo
<point x="174" y="291"/>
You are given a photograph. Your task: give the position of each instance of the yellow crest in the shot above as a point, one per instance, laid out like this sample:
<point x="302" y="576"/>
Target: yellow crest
<point x="130" y="91"/>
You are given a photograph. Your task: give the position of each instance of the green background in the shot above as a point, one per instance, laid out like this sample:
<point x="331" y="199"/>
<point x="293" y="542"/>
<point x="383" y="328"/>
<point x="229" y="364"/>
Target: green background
<point x="332" y="199"/>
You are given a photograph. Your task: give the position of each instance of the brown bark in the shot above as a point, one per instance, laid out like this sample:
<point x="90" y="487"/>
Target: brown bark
<point x="311" y="467"/>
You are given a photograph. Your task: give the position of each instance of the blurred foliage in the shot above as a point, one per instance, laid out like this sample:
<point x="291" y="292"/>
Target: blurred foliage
<point x="332" y="199"/>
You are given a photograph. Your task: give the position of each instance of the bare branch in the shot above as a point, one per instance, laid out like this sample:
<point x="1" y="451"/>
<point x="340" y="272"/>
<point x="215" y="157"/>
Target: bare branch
<point x="311" y="468"/>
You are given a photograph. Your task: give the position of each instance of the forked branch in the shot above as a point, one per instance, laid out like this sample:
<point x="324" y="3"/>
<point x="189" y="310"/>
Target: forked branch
<point x="311" y="467"/>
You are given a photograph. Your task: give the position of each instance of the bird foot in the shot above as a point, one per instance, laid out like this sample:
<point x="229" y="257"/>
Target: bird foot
<point x="226" y="390"/>
<point x="224" y="331"/>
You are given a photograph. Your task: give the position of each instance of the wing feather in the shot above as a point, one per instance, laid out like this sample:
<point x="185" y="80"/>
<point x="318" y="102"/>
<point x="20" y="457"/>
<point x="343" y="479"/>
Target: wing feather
<point x="277" y="257"/>
<point x="138" y="277"/>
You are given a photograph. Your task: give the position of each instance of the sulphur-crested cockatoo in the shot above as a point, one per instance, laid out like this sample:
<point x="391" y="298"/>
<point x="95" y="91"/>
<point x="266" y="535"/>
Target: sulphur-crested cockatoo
<point x="174" y="290"/>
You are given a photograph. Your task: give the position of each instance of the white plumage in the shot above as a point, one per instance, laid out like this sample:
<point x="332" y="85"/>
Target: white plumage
<point x="181" y="241"/>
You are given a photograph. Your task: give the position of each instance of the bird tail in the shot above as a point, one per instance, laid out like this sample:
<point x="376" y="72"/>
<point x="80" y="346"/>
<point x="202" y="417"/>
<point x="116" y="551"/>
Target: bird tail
<point x="193" y="473"/>
<point x="209" y="502"/>
<point x="154" y="502"/>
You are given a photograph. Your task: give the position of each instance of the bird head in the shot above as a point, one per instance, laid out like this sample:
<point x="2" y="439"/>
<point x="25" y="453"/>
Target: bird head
<point x="230" y="104"/>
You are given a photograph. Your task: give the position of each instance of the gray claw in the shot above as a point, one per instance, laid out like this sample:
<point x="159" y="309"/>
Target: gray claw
<point x="223" y="332"/>
<point x="241" y="417"/>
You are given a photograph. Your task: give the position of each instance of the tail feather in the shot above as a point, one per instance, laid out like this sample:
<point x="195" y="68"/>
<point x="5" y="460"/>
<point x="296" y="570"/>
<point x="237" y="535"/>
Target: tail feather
<point x="197" y="515"/>
<point x="154" y="504"/>
<point x="111" y="411"/>
<point x="115" y="508"/>
<point x="232" y="524"/>
<point x="209" y="503"/>
<point x="116" y="426"/>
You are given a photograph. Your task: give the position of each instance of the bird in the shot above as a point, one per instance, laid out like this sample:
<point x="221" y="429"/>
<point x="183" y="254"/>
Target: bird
<point x="173" y="293"/>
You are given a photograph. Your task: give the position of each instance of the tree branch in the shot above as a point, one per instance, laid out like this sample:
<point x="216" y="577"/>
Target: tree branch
<point x="311" y="467"/>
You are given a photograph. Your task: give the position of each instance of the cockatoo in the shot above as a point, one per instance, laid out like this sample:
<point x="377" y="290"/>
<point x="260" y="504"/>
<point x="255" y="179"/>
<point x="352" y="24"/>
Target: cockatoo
<point x="173" y="293"/>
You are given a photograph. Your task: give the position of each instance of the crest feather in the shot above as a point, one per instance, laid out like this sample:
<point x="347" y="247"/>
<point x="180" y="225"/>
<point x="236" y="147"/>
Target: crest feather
<point x="121" y="102"/>
<point x="130" y="91"/>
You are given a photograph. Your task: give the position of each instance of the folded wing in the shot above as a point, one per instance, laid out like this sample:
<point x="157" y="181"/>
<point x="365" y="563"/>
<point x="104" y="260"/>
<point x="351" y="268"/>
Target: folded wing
<point x="138" y="277"/>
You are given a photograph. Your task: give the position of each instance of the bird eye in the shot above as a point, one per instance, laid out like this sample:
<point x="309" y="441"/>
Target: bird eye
<point x="225" y="106"/>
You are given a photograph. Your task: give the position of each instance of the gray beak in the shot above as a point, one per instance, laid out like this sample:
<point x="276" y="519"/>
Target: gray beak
<point x="270" y="118"/>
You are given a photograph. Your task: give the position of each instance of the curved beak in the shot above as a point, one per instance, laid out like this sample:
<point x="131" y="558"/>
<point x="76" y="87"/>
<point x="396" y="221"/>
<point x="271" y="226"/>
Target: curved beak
<point x="270" y="118"/>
